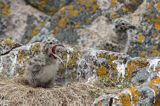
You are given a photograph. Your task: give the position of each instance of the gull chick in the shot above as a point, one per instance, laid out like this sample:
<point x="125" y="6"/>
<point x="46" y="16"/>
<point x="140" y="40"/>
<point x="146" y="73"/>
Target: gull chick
<point x="42" y="68"/>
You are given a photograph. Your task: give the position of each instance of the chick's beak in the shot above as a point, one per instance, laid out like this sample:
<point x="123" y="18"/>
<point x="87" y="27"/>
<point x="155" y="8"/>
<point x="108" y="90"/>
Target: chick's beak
<point x="52" y="51"/>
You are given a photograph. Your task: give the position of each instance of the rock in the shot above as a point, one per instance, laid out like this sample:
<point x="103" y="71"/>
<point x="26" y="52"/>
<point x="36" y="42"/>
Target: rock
<point x="19" y="21"/>
<point x="49" y="6"/>
<point x="6" y="45"/>
<point x="113" y="42"/>
<point x="140" y="77"/>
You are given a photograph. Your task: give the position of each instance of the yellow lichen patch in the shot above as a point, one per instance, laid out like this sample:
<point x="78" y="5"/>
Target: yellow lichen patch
<point x="134" y="64"/>
<point x="35" y="31"/>
<point x="113" y="57"/>
<point x="88" y="20"/>
<point x="143" y="54"/>
<point x="22" y="56"/>
<point x="131" y="68"/>
<point x="141" y="63"/>
<point x="70" y="7"/>
<point x="44" y="3"/>
<point x="81" y="9"/>
<point x="113" y="2"/>
<point x="73" y="60"/>
<point x="36" y="48"/>
<point x="113" y="65"/>
<point x="158" y="7"/>
<point x="155" y="53"/>
<point x="87" y="4"/>
<point x="78" y="25"/>
<point x="100" y="103"/>
<point x="61" y="69"/>
<point x="109" y="62"/>
<point x="125" y="99"/>
<point x="56" y="30"/>
<point x="9" y="42"/>
<point x="5" y="9"/>
<point x="154" y="83"/>
<point x="95" y="7"/>
<point x="62" y="22"/>
<point x="102" y="72"/>
<point x="114" y="15"/>
<point x="157" y="23"/>
<point x="136" y="96"/>
<point x="157" y="102"/>
<point x="21" y="70"/>
<point x="75" y="13"/>
<point x="141" y="38"/>
<point x="125" y="9"/>
<point x="102" y="55"/>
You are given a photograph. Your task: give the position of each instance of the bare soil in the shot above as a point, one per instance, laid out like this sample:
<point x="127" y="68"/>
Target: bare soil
<point x="16" y="92"/>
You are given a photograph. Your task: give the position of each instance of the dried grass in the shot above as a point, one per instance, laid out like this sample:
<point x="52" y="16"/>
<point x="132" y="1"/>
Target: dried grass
<point x="16" y="93"/>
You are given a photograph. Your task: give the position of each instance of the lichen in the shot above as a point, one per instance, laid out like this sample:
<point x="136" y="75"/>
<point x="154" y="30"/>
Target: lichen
<point x="36" y="48"/>
<point x="5" y="8"/>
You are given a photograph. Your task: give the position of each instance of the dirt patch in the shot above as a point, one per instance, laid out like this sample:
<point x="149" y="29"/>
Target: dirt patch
<point x="76" y="94"/>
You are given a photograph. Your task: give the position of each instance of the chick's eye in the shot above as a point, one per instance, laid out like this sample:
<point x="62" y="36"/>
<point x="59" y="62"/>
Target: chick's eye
<point x="123" y="23"/>
<point x="116" y="26"/>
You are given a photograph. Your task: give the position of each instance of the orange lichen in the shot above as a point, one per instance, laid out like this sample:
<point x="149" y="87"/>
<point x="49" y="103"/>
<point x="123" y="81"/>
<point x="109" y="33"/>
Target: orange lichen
<point x="5" y="9"/>
<point x="113" y="2"/>
<point x="158" y="7"/>
<point x="100" y="103"/>
<point x="157" y="23"/>
<point x="154" y="83"/>
<point x="131" y="68"/>
<point x="62" y="22"/>
<point x="155" y="53"/>
<point x="94" y="7"/>
<point x="134" y="64"/>
<point x="141" y="38"/>
<point x="75" y="13"/>
<point x="136" y="96"/>
<point x="125" y="99"/>
<point x="102" y="71"/>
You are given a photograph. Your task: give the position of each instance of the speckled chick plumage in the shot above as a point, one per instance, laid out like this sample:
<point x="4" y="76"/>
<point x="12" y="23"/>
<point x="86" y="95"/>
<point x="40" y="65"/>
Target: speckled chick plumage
<point x="42" y="68"/>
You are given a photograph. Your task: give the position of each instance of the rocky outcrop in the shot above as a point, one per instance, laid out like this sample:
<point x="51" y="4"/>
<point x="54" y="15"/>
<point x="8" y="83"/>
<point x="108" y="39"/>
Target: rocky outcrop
<point x="110" y="68"/>
<point x="113" y="42"/>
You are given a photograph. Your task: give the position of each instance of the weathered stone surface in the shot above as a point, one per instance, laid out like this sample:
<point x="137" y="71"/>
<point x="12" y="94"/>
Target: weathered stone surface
<point x="19" y="21"/>
<point x="6" y="45"/>
<point x="146" y="94"/>
<point x="126" y="32"/>
<point x="49" y="6"/>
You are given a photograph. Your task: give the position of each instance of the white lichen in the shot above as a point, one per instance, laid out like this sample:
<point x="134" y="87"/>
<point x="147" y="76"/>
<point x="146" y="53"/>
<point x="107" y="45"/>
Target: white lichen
<point x="153" y="63"/>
